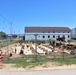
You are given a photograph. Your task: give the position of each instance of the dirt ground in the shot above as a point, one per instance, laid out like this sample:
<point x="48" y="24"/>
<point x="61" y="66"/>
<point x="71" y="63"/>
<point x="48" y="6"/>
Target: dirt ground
<point x="45" y="66"/>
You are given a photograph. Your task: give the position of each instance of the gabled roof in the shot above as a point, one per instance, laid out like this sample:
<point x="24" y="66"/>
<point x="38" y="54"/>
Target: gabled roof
<point x="47" y="28"/>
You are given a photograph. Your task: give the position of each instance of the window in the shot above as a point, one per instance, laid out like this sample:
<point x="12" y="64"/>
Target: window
<point x="43" y="31"/>
<point x="58" y="36"/>
<point x="53" y="36"/>
<point x="63" y="37"/>
<point x="48" y="36"/>
<point x="68" y="36"/>
<point x="68" y="32"/>
<point x="43" y="36"/>
<point x="53" y="31"/>
<point x="48" y="31"/>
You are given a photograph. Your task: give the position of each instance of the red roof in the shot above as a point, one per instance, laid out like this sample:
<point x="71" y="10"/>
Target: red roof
<point x="47" y="28"/>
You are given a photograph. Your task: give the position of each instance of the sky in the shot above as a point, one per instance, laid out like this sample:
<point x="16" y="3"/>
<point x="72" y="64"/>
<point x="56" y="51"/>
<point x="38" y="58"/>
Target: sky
<point x="16" y="14"/>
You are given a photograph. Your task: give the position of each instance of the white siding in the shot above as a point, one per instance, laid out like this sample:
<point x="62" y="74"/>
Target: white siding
<point x="73" y="33"/>
<point x="30" y="36"/>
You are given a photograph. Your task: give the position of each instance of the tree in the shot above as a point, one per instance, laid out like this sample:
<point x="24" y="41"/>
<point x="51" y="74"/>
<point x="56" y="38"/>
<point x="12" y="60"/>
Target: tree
<point x="3" y="35"/>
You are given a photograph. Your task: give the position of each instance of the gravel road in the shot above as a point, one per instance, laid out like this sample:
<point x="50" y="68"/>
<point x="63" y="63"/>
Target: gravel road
<point x="39" y="72"/>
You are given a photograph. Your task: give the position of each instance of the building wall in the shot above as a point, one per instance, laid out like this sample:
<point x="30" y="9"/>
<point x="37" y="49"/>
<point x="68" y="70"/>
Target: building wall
<point x="46" y="36"/>
<point x="73" y="33"/>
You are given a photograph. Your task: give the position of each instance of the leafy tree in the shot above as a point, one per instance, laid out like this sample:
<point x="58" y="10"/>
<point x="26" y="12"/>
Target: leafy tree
<point x="3" y="35"/>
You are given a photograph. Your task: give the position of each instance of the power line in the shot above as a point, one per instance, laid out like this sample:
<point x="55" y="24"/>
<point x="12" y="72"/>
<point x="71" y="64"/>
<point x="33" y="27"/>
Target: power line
<point x="7" y="21"/>
<point x="10" y="23"/>
<point x="4" y="17"/>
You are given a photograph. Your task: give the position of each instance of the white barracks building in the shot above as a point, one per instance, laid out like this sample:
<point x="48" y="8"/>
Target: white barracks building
<point x="47" y="33"/>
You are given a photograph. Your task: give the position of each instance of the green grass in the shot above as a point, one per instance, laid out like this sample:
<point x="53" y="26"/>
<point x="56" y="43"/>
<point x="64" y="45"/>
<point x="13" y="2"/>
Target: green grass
<point x="21" y="62"/>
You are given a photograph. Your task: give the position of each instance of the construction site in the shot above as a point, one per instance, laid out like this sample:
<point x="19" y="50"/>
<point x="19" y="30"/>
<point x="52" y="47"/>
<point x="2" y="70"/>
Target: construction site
<point x="39" y="47"/>
<point x="35" y="52"/>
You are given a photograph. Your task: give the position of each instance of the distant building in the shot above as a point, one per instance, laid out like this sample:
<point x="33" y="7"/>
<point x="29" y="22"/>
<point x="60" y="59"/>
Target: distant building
<point x="73" y="33"/>
<point x="47" y="33"/>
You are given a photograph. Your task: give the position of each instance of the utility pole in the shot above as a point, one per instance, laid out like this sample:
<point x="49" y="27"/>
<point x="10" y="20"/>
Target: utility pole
<point x="36" y="59"/>
<point x="11" y="28"/>
<point x="10" y="31"/>
<point x="19" y="35"/>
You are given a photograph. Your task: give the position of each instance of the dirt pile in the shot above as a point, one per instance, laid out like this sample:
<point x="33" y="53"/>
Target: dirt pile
<point x="50" y="64"/>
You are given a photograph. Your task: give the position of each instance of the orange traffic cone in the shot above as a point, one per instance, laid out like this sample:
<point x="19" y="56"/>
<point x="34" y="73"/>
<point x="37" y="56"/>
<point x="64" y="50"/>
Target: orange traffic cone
<point x="1" y="64"/>
<point x="1" y="61"/>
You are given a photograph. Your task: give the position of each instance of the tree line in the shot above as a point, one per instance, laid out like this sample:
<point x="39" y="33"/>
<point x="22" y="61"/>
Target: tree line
<point x="3" y="35"/>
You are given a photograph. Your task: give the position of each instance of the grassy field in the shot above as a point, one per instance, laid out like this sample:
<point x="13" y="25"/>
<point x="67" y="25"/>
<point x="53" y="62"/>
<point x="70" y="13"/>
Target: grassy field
<point x="30" y="60"/>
